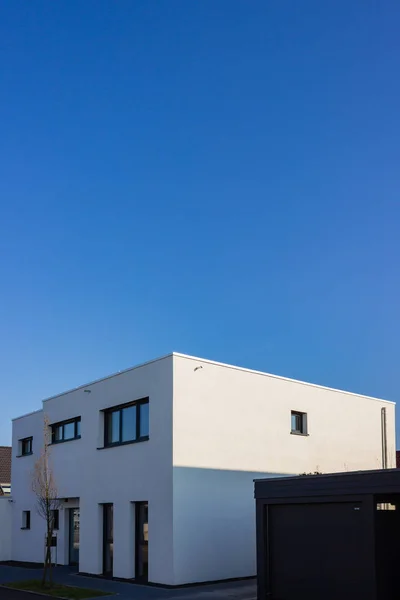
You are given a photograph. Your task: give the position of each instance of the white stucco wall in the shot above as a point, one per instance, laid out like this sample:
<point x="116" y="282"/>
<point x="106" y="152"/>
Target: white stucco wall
<point x="5" y="527"/>
<point x="232" y="425"/>
<point x="119" y="475"/>
<point x="27" y="545"/>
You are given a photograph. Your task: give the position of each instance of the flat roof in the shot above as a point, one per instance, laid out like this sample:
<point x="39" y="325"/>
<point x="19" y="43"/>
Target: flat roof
<point x="33" y="412"/>
<point x="287" y="489"/>
<point x="206" y="361"/>
<point x="85" y="385"/>
<point x="265" y="374"/>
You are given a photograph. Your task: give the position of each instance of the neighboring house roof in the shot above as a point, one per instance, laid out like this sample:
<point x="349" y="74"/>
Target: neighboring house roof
<point x="5" y="464"/>
<point x="398" y="459"/>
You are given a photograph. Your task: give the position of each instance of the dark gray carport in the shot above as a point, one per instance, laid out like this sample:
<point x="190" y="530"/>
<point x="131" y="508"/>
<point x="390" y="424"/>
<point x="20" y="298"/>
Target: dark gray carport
<point x="321" y="537"/>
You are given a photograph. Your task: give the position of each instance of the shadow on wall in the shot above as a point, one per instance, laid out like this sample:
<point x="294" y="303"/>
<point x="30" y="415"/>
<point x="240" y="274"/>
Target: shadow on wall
<point x="214" y="523"/>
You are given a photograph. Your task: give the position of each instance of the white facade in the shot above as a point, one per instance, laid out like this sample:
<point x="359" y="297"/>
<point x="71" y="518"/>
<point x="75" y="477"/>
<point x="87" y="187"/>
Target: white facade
<point x="213" y="428"/>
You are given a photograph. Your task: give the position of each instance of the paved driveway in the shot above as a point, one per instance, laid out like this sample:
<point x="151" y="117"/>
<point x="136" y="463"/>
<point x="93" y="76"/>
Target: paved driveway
<point x="239" y="590"/>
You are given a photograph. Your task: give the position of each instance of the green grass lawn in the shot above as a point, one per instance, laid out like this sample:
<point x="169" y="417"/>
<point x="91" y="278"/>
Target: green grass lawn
<point x="57" y="590"/>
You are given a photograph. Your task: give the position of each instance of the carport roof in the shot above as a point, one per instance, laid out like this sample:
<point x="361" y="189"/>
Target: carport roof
<point x="383" y="481"/>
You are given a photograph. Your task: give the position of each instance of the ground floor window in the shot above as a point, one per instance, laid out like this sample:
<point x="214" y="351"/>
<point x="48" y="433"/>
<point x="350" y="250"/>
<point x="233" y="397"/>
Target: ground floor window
<point x="74" y="531"/>
<point x="142" y="541"/>
<point x="108" y="538"/>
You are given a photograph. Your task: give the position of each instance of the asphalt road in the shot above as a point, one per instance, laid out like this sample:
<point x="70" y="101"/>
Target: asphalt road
<point x="238" y="590"/>
<point x="17" y="595"/>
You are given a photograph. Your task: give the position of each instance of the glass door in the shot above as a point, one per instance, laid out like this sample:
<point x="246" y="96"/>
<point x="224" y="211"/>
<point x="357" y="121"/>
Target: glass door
<point x="74" y="536"/>
<point x="142" y="541"/>
<point x="108" y="539"/>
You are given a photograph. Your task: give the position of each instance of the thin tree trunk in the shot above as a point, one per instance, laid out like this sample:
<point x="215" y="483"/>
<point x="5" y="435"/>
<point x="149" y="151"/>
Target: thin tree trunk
<point x="44" y="569"/>
<point x="50" y="565"/>
<point x="50" y="571"/>
<point x="47" y="564"/>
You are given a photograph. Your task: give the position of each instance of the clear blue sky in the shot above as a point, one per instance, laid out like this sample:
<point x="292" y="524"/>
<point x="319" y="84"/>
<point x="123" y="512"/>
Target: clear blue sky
<point x="215" y="177"/>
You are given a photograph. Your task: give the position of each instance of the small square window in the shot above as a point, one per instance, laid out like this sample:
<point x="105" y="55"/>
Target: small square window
<point x="26" y="519"/>
<point x="26" y="446"/>
<point x="299" y="422"/>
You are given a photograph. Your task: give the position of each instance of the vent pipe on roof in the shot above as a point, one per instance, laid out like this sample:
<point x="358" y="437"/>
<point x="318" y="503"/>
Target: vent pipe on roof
<point x="384" y="438"/>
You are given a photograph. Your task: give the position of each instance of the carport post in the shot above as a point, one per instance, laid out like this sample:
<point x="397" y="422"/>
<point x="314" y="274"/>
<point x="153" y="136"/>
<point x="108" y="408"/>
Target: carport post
<point x="262" y="555"/>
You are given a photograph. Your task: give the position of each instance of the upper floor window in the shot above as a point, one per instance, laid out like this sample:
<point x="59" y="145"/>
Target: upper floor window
<point x="299" y="422"/>
<point x="127" y="423"/>
<point x="25" y="446"/>
<point x="66" y="430"/>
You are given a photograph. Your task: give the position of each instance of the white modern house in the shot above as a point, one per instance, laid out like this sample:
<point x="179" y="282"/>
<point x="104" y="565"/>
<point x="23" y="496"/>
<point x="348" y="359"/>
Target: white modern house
<point x="155" y="465"/>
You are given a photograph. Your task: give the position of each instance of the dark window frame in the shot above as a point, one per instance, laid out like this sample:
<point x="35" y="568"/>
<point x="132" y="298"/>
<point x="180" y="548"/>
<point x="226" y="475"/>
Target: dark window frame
<point x="303" y="423"/>
<point x="54" y="426"/>
<point x="26" y="519"/>
<point x="24" y="441"/>
<point x="119" y="408"/>
<point x="56" y="519"/>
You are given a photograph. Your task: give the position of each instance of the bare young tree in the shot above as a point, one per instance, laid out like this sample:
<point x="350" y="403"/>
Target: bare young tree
<point x="45" y="489"/>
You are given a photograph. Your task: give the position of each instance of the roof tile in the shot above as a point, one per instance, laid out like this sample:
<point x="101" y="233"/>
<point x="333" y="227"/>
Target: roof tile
<point x="5" y="464"/>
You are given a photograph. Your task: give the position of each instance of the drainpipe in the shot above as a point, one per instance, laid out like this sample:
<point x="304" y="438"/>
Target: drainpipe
<point x="384" y="438"/>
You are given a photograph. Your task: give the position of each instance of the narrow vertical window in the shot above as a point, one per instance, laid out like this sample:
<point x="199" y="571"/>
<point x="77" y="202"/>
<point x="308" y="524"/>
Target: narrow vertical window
<point x="128" y="416"/>
<point x="56" y="519"/>
<point x="26" y="519"/>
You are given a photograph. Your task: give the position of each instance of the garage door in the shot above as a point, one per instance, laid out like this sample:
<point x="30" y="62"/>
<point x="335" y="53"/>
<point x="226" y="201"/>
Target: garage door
<point x="318" y="552"/>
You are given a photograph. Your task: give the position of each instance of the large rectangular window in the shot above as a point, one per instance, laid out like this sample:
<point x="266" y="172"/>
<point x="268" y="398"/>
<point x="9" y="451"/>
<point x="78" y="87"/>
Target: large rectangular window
<point x="127" y="423"/>
<point x="66" y="430"/>
<point x="25" y="446"/>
